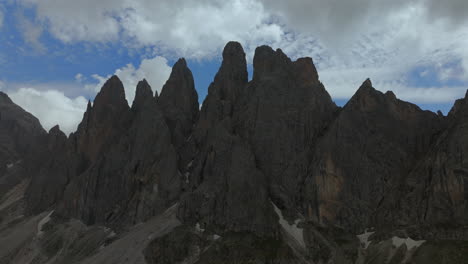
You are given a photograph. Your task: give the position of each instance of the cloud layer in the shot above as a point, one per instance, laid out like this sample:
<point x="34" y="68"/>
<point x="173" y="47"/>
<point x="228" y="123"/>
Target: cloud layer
<point x="1" y="17"/>
<point x="386" y="39"/>
<point x="155" y="71"/>
<point x="417" y="48"/>
<point x="51" y="107"/>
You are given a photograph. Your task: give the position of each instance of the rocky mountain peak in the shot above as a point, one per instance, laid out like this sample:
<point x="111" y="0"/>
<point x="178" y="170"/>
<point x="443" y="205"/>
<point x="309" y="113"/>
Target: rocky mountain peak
<point x="366" y="97"/>
<point x="232" y="75"/>
<point x="459" y="105"/>
<point x="267" y="61"/>
<point x="55" y="130"/>
<point x="228" y="85"/>
<point x="111" y="93"/>
<point x="233" y="49"/>
<point x="110" y="99"/>
<point x="179" y="90"/>
<point x="103" y="119"/>
<point x="366" y="88"/>
<point x="233" y="72"/>
<point x="179" y="102"/>
<point x="4" y="98"/>
<point x="390" y="95"/>
<point x="306" y="71"/>
<point x="142" y="94"/>
<point x="89" y="106"/>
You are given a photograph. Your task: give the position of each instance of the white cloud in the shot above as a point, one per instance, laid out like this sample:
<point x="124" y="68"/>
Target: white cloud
<point x="1" y="17"/>
<point x="383" y="40"/>
<point x="192" y="29"/>
<point x="51" y="107"/>
<point x="155" y="71"/>
<point x="379" y="39"/>
<point x="31" y="32"/>
<point x="79" y="20"/>
<point x="79" y="77"/>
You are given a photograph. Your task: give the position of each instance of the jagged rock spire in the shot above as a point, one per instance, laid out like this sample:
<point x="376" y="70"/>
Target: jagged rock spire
<point x="104" y="118"/>
<point x="142" y="94"/>
<point x="229" y="83"/>
<point x="179" y="90"/>
<point x="5" y="98"/>
<point x="111" y="95"/>
<point x="179" y="102"/>
<point x="232" y="76"/>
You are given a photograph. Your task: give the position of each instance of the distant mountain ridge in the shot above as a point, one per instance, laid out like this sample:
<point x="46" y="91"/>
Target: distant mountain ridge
<point x="267" y="171"/>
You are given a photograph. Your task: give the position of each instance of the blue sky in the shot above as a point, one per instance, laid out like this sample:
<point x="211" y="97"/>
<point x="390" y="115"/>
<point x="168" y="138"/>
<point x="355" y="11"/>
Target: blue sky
<point x="55" y="55"/>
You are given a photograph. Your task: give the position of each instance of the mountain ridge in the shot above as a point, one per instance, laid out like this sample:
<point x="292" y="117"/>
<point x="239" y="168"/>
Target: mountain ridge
<point x="277" y="143"/>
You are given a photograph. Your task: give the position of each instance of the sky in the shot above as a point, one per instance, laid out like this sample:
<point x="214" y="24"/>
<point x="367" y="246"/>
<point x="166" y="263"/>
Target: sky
<point x="56" y="54"/>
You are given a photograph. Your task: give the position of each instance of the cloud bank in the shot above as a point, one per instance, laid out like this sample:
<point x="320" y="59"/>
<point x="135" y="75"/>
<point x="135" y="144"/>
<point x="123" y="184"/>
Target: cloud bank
<point x="156" y="71"/>
<point x="384" y="38"/>
<point x="51" y="107"/>
<point x="417" y="48"/>
<point x="1" y="17"/>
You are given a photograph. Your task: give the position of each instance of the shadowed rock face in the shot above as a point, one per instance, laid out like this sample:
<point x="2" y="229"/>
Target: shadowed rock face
<point x="47" y="186"/>
<point x="103" y="120"/>
<point x="226" y="189"/>
<point x="241" y="165"/>
<point x="179" y="102"/>
<point x="375" y="140"/>
<point x="119" y="168"/>
<point x="224" y="92"/>
<point x="435" y="193"/>
<point x="143" y="92"/>
<point x="137" y="176"/>
<point x="272" y="159"/>
<point x="286" y="110"/>
<point x="22" y="141"/>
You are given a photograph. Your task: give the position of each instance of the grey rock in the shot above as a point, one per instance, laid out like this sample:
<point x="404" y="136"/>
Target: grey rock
<point x="179" y="102"/>
<point x="375" y="140"/>
<point x="22" y="143"/>
<point x="285" y="110"/>
<point x="434" y="195"/>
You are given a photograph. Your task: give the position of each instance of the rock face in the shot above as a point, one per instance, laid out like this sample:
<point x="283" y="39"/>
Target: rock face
<point x="130" y="166"/>
<point x="22" y="141"/>
<point x="267" y="171"/>
<point x="286" y="110"/>
<point x="179" y="102"/>
<point x="47" y="186"/>
<point x="433" y="199"/>
<point x="119" y="168"/>
<point x="226" y="189"/>
<point x="375" y="141"/>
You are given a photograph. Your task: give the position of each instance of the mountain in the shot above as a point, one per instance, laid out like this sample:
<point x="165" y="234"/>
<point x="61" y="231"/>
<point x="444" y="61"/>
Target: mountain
<point x="266" y="171"/>
<point x="21" y="144"/>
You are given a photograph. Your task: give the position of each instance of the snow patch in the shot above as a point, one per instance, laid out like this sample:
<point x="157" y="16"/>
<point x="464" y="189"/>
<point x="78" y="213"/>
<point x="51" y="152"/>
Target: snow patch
<point x="110" y="233"/>
<point x="410" y="243"/>
<point x="198" y="228"/>
<point x="292" y="229"/>
<point x="216" y="237"/>
<point x="364" y="238"/>
<point x="187" y="177"/>
<point x="43" y="221"/>
<point x="190" y="164"/>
